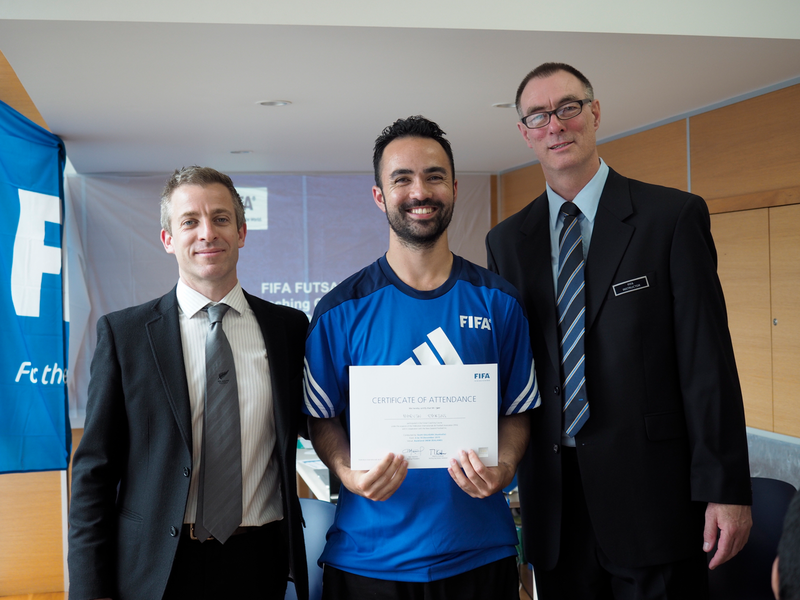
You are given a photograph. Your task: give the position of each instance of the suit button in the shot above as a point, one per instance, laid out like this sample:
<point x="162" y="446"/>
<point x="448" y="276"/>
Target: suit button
<point x="173" y="531"/>
<point x="556" y="390"/>
<point x="555" y="448"/>
<point x="186" y="471"/>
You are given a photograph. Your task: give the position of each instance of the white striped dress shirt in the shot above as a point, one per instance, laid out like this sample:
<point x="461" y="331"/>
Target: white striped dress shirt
<point x="261" y="495"/>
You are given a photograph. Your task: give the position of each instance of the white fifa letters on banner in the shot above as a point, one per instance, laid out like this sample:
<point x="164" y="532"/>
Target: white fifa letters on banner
<point x="32" y="258"/>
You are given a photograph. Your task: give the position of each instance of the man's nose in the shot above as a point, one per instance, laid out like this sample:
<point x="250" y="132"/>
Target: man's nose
<point x="420" y="189"/>
<point x="207" y="230"/>
<point x="555" y="125"/>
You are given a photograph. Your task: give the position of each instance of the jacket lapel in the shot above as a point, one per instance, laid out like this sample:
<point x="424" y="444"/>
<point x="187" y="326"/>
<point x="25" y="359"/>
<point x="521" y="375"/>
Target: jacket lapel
<point x="533" y="250"/>
<point x="274" y="333"/>
<point x="164" y="334"/>
<point x="610" y="239"/>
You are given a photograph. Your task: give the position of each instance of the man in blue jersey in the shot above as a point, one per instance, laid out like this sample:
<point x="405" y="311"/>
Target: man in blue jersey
<point x="430" y="533"/>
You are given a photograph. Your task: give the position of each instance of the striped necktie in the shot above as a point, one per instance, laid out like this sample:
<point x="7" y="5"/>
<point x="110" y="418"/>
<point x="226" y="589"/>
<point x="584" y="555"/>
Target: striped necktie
<point x="219" y="503"/>
<point x="571" y="320"/>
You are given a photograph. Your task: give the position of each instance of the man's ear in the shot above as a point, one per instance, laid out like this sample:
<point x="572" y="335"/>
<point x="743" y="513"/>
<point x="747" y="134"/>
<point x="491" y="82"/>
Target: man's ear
<point x="525" y="133"/>
<point x="166" y="239"/>
<point x="377" y="195"/>
<point x="596" y="113"/>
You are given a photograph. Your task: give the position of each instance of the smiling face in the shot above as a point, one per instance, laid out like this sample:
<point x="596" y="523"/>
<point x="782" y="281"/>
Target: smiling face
<point x="204" y="238"/>
<point x="417" y="191"/>
<point x="567" y="150"/>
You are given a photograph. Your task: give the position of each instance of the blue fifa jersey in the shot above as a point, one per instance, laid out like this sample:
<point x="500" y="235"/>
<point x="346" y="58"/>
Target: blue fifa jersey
<point x="429" y="529"/>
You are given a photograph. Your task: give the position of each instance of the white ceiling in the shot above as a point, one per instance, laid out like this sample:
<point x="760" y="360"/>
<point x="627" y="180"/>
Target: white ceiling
<point x="132" y="90"/>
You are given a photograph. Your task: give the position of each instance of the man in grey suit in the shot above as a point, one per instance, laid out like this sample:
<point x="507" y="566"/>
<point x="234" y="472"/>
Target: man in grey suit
<point x="138" y="469"/>
<point x="625" y="499"/>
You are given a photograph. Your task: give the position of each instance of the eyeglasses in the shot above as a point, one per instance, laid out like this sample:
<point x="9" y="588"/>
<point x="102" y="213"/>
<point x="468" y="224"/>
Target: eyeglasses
<point x="567" y="111"/>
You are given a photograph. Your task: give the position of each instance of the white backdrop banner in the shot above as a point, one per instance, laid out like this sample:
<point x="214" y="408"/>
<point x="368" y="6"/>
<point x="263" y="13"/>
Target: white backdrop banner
<point x="305" y="235"/>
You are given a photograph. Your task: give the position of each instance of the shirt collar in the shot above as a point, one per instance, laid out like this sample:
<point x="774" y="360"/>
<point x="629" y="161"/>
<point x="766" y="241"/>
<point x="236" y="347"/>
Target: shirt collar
<point x="587" y="199"/>
<point x="191" y="301"/>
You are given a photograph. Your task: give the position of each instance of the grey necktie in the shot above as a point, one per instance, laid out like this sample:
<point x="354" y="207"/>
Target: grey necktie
<point x="219" y="502"/>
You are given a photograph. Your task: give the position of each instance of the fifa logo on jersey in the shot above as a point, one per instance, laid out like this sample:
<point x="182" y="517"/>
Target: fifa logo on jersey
<point x="473" y="322"/>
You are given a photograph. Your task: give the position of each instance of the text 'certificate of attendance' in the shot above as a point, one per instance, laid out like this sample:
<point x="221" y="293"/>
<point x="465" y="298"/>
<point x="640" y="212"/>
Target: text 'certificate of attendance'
<point x="426" y="413"/>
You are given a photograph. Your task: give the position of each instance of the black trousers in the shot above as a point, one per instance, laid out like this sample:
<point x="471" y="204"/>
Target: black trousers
<point x="496" y="581"/>
<point x="251" y="565"/>
<point x="584" y="572"/>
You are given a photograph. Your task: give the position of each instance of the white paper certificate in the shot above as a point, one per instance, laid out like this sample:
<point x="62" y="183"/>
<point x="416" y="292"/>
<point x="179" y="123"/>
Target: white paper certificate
<point x="426" y="413"/>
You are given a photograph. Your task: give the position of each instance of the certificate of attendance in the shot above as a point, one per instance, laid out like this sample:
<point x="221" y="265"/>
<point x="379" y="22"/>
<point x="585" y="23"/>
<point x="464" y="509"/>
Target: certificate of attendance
<point x="426" y="413"/>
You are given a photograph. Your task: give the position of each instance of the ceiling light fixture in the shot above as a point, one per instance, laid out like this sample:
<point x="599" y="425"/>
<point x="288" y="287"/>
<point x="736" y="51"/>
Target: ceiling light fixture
<point x="504" y="105"/>
<point x="241" y="151"/>
<point x="274" y="102"/>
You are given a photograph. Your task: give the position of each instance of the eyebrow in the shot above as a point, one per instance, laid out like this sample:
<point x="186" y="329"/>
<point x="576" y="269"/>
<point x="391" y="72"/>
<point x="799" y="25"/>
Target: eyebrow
<point x="216" y="212"/>
<point x="564" y="100"/>
<point x="427" y="171"/>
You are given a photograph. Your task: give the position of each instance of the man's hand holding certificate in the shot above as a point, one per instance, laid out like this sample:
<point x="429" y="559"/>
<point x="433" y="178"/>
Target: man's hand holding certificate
<point x="430" y="415"/>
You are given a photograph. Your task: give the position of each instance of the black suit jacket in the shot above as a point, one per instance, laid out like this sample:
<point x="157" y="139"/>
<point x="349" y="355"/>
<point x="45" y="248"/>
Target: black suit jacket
<point x="132" y="469"/>
<point x="666" y="433"/>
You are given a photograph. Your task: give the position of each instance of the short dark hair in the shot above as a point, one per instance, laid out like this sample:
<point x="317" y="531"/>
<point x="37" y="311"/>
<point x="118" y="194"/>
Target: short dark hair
<point x="202" y="176"/>
<point x="547" y="69"/>
<point x="416" y="126"/>
<point x="789" y="553"/>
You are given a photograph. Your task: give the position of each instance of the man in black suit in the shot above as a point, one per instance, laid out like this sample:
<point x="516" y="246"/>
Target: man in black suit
<point x="626" y="503"/>
<point x="137" y="470"/>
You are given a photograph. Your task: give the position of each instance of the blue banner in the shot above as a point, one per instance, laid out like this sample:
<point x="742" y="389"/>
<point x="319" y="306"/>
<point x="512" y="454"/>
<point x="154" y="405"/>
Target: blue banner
<point x="34" y="427"/>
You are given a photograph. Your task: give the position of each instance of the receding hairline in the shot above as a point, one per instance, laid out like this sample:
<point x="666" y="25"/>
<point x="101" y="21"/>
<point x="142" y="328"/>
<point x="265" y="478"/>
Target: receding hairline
<point x="550" y="69"/>
<point x="167" y="204"/>
<point x="200" y="184"/>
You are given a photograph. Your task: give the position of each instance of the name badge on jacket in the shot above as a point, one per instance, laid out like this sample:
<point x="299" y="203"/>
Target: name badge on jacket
<point x="632" y="285"/>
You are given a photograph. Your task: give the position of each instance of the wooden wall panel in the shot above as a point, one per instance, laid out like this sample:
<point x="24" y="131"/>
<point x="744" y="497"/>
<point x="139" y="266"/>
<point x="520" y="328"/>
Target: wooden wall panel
<point x="494" y="200"/>
<point x="13" y="94"/>
<point x="782" y="197"/>
<point x="519" y="188"/>
<point x="747" y="147"/>
<point x="785" y="252"/>
<point x="48" y="596"/>
<point x="656" y="156"/>
<point x="77" y="435"/>
<point x="31" y="555"/>
<point x="31" y="545"/>
<point x="742" y="240"/>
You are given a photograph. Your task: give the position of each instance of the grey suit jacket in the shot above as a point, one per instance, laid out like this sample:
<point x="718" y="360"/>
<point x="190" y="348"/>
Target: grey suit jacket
<point x="132" y="469"/>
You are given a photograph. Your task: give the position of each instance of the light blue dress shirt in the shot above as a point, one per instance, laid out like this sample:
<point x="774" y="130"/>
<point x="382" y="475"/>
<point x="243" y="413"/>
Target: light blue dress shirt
<point x="587" y="200"/>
